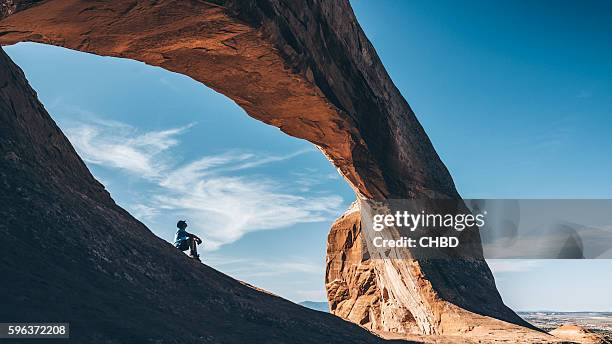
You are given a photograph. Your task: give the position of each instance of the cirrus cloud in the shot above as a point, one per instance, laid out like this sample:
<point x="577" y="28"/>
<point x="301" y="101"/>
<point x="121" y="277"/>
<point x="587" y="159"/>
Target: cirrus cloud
<point x="219" y="192"/>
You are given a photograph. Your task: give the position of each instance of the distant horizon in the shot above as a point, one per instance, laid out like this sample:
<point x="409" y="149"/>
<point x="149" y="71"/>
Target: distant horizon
<point x="518" y="311"/>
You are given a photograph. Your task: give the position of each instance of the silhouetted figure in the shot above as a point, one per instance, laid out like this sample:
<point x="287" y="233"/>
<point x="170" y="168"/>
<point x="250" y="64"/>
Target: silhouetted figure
<point x="186" y="241"/>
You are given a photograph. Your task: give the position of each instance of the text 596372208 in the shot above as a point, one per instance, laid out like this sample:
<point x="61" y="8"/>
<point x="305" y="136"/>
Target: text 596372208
<point x="34" y="330"/>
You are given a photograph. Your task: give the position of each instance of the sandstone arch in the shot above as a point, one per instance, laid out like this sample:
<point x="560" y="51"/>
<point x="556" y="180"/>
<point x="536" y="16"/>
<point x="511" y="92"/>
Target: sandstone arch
<point x="307" y="68"/>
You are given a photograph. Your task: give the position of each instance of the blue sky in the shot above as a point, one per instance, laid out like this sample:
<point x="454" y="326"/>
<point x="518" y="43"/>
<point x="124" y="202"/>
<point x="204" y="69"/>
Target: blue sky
<point x="515" y="97"/>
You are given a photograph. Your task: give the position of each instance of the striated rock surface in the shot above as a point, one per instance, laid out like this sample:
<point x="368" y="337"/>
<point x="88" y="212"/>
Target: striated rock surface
<point x="307" y="68"/>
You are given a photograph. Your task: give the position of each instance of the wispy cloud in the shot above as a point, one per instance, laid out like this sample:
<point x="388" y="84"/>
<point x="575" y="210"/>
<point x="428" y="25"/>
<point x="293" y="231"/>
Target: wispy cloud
<point x="142" y="211"/>
<point x="229" y="207"/>
<point x="222" y="205"/>
<point x="310" y="177"/>
<point x="114" y="144"/>
<point x="249" y="268"/>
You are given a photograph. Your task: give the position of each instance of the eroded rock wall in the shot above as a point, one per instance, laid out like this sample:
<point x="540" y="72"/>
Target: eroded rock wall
<point x="355" y="288"/>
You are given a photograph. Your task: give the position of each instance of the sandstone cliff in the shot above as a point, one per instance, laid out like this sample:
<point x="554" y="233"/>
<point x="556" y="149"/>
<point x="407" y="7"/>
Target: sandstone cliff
<point x="307" y="68"/>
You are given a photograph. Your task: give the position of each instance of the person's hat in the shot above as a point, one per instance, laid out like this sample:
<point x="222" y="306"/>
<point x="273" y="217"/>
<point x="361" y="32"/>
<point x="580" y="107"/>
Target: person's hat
<point x="181" y="223"/>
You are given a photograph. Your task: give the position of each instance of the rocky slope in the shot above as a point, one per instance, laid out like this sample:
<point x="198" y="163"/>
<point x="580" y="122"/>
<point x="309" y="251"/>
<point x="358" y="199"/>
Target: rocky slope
<point x="306" y="67"/>
<point x="70" y="254"/>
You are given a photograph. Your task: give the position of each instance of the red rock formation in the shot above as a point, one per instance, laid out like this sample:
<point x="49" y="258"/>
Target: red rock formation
<point x="307" y="68"/>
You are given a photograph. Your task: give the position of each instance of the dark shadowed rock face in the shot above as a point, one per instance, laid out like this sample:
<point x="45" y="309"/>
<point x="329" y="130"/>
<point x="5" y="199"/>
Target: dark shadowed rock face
<point x="70" y="254"/>
<point x="303" y="66"/>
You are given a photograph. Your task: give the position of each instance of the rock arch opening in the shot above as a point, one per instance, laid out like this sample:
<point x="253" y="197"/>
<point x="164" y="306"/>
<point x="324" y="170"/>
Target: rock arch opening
<point x="167" y="148"/>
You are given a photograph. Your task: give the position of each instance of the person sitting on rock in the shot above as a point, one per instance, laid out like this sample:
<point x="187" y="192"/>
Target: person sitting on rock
<point x="186" y="241"/>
